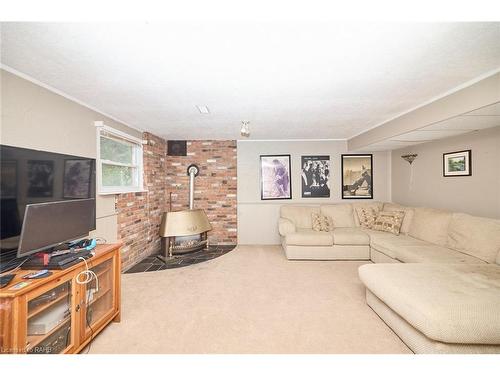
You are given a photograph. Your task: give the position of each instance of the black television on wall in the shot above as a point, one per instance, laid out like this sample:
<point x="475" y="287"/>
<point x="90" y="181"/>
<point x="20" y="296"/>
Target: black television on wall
<point x="31" y="176"/>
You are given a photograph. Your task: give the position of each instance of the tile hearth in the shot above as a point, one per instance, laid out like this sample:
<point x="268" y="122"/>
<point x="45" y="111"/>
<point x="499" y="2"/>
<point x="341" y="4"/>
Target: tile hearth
<point x="152" y="263"/>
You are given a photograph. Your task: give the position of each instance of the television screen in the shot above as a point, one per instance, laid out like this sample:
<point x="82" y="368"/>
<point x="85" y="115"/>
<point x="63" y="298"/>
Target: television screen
<point x="31" y="176"/>
<point x="58" y="221"/>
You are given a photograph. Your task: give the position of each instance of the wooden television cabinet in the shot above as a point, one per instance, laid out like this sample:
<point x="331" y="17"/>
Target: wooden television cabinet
<point x="56" y="314"/>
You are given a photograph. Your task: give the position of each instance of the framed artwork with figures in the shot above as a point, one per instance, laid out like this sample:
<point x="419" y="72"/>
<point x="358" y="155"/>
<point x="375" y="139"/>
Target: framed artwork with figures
<point x="275" y="177"/>
<point x="315" y="176"/>
<point x="357" y="176"/>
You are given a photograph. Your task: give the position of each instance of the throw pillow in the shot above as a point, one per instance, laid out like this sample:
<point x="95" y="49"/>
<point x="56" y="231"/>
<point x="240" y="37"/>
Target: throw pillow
<point x="321" y="223"/>
<point x="366" y="216"/>
<point x="389" y="221"/>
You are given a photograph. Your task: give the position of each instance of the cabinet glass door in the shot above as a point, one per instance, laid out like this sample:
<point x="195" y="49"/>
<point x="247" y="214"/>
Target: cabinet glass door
<point x="99" y="296"/>
<point x="49" y="321"/>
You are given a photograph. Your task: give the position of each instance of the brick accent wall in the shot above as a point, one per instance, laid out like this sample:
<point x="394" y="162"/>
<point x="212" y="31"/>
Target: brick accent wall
<point x="215" y="186"/>
<point x="139" y="214"/>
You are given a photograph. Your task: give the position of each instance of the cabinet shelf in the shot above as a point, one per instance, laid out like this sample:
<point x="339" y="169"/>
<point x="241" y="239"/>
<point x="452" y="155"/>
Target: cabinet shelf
<point x="102" y="272"/>
<point x="101" y="294"/>
<point x="41" y="308"/>
<point x="34" y="340"/>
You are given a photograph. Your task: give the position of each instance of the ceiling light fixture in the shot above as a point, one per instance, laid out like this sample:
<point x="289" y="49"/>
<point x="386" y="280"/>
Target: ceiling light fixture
<point x="245" y="128"/>
<point x="203" y="109"/>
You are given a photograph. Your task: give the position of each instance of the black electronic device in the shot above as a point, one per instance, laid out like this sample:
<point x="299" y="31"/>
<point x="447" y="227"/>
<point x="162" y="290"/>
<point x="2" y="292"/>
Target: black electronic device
<point x="82" y="243"/>
<point x="59" y="262"/>
<point x="31" y="176"/>
<point x="6" y="279"/>
<point x="47" y="225"/>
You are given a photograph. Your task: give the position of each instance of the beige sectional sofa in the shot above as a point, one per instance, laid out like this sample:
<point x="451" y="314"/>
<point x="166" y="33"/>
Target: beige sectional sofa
<point x="346" y="242"/>
<point x="444" y="299"/>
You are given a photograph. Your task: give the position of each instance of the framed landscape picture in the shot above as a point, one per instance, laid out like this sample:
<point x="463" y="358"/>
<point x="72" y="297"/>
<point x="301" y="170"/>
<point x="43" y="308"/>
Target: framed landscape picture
<point x="275" y="178"/>
<point x="315" y="176"/>
<point x="457" y="163"/>
<point x="357" y="176"/>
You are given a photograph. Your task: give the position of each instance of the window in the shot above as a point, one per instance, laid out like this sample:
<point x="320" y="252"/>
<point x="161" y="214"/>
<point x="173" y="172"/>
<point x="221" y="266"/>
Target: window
<point x="119" y="166"/>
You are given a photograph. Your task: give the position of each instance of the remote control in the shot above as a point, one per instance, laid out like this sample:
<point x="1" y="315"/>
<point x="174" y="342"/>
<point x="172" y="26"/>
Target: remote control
<point x="36" y="275"/>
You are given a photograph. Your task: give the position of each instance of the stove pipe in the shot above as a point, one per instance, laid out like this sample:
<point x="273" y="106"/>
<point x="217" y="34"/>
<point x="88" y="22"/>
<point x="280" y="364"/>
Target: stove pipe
<point x="192" y="172"/>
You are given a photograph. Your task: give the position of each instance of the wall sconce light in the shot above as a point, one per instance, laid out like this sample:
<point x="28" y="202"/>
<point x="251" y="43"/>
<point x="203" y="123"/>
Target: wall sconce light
<point x="245" y="128"/>
<point x="410" y="158"/>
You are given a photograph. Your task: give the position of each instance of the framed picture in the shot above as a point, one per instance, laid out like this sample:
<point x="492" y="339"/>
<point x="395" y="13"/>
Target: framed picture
<point x="457" y="163"/>
<point x="357" y="176"/>
<point x="40" y="178"/>
<point x="77" y="178"/>
<point x="8" y="179"/>
<point x="275" y="178"/>
<point x="315" y="176"/>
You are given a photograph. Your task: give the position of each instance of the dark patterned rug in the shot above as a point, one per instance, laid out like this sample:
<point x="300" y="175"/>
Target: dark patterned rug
<point x="153" y="263"/>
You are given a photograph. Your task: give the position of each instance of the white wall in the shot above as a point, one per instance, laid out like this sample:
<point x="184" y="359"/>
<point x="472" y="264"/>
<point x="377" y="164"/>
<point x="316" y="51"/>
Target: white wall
<point x="257" y="219"/>
<point x="478" y="194"/>
<point x="34" y="117"/>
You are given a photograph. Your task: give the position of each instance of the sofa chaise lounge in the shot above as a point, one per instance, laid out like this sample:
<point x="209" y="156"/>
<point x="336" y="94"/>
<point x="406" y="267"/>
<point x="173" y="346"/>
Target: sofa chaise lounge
<point x="445" y="298"/>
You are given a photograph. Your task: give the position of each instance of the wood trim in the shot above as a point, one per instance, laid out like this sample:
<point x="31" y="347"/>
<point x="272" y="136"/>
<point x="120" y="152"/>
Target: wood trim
<point x="98" y="330"/>
<point x="118" y="287"/>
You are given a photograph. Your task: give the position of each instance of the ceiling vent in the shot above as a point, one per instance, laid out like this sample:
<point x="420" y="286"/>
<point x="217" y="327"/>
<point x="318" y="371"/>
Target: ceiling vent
<point x="203" y="109"/>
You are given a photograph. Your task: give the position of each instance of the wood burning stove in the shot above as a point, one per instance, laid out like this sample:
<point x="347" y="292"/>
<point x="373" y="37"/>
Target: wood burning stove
<point x="184" y="231"/>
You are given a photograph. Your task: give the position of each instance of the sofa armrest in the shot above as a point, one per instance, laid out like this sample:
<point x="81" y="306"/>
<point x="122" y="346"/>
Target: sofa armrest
<point x="285" y="226"/>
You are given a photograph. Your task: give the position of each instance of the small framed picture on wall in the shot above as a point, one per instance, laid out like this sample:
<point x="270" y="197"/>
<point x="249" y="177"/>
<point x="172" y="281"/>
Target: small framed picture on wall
<point x="275" y="177"/>
<point x="357" y="176"/>
<point x="458" y="163"/>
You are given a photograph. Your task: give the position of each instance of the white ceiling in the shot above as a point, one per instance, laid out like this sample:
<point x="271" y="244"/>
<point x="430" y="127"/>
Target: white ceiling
<point x="479" y="119"/>
<point x="291" y="81"/>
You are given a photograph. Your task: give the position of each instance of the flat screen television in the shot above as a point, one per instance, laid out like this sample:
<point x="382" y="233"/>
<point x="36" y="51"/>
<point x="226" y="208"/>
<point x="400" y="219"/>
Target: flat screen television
<point x="31" y="176"/>
<point x="57" y="222"/>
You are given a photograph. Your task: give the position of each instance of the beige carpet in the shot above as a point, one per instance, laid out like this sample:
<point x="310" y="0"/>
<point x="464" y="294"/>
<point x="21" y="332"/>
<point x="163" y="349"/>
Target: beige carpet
<point x="251" y="300"/>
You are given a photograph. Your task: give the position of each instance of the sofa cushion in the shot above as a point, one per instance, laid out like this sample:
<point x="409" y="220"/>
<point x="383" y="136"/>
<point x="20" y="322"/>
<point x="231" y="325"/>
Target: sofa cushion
<point x="377" y="206"/>
<point x="431" y="225"/>
<point x="350" y="236"/>
<point x="389" y="244"/>
<point x="366" y="216"/>
<point x="321" y="223"/>
<point x="476" y="236"/>
<point x="433" y="254"/>
<point x="341" y="214"/>
<point x="457" y="303"/>
<point x="299" y="215"/>
<point x="309" y="237"/>
<point x="389" y="221"/>
<point x="405" y="226"/>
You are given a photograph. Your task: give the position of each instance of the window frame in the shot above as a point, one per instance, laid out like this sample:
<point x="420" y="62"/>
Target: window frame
<point x="103" y="130"/>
